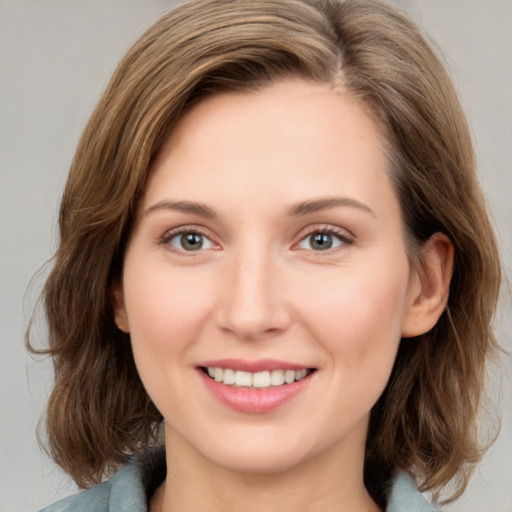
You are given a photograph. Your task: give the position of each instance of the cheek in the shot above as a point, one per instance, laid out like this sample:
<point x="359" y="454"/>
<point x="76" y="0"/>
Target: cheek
<point x="357" y="317"/>
<point x="165" y="308"/>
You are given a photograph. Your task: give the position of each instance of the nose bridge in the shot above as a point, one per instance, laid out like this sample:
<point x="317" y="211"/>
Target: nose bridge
<point x="254" y="304"/>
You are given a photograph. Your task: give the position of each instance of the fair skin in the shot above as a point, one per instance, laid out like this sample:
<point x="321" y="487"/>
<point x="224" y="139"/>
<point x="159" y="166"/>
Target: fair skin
<point x="270" y="231"/>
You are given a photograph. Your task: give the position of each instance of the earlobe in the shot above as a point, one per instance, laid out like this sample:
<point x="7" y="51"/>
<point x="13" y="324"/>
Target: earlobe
<point x="430" y="287"/>
<point x="120" y="316"/>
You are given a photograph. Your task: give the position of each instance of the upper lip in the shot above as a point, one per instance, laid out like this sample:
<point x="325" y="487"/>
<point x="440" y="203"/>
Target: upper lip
<point x="258" y="365"/>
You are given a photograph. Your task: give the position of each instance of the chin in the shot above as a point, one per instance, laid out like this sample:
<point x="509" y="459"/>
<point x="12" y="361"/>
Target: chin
<point x="261" y="452"/>
<point x="260" y="462"/>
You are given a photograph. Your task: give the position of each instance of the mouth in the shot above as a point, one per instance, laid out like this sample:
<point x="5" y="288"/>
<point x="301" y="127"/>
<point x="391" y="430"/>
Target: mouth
<point x="260" y="380"/>
<point x="258" y="386"/>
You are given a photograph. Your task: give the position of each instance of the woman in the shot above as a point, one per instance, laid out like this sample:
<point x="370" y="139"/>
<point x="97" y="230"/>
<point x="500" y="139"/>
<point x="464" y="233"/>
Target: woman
<point x="274" y="246"/>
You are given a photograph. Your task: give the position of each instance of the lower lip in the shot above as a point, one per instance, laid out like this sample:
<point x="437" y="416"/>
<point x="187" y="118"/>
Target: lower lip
<point x="254" y="401"/>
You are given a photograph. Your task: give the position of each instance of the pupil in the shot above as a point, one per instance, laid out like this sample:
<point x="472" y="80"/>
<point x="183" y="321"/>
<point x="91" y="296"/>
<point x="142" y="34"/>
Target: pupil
<point x="192" y="241"/>
<point x="322" y="241"/>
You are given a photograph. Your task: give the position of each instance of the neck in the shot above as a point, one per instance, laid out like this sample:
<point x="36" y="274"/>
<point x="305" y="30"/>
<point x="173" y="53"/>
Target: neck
<point x="330" y="481"/>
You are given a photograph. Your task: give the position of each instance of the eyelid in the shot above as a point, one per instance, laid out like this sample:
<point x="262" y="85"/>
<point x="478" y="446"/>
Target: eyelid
<point x="180" y="230"/>
<point x="347" y="237"/>
<point x="343" y="234"/>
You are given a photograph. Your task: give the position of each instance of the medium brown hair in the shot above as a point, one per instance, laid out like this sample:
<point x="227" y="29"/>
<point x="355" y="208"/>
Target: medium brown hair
<point x="425" y="421"/>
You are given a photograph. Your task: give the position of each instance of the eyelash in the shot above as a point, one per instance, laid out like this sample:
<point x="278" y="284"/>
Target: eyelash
<point x="342" y="235"/>
<point x="170" y="235"/>
<point x="344" y="238"/>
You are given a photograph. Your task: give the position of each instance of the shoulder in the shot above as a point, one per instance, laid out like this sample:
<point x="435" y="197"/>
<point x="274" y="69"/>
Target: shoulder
<point x="96" y="499"/>
<point x="404" y="496"/>
<point x="128" y="490"/>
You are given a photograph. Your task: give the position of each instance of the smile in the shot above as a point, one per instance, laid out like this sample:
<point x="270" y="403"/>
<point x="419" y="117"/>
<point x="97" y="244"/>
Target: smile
<point x="255" y="387"/>
<point x="256" y="380"/>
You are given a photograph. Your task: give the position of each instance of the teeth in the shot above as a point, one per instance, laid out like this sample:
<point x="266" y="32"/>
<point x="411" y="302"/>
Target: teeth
<point x="299" y="375"/>
<point x="256" y="380"/>
<point x="229" y="377"/>
<point x="243" y="378"/>
<point x="261" y="380"/>
<point x="289" y="376"/>
<point x="276" y="378"/>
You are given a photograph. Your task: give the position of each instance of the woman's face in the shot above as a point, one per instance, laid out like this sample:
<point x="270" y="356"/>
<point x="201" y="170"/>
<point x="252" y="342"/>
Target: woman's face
<point x="269" y="253"/>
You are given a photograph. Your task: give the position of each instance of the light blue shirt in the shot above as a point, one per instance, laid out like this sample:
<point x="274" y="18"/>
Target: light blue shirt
<point x="127" y="491"/>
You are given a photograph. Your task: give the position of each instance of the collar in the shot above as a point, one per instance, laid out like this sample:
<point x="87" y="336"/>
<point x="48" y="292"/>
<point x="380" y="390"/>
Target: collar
<point x="404" y="496"/>
<point x="129" y="489"/>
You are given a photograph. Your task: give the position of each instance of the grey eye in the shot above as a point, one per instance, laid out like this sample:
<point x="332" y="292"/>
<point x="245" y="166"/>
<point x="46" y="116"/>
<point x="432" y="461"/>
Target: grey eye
<point x="321" y="241"/>
<point x="190" y="241"/>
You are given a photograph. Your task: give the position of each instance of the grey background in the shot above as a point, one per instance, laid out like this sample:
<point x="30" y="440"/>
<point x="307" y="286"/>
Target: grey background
<point x="55" y="58"/>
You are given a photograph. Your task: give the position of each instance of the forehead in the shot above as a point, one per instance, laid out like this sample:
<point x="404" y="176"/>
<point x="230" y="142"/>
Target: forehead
<point x="287" y="140"/>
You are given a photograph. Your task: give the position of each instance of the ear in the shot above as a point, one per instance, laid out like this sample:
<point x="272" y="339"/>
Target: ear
<point x="429" y="287"/>
<point x="120" y="316"/>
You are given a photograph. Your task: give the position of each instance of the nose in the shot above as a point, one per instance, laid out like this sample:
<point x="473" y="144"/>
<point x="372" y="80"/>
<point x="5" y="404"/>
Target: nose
<point x="252" y="304"/>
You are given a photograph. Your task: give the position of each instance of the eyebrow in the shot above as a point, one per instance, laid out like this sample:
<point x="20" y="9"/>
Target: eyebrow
<point x="193" y="207"/>
<point x="297" y="210"/>
<point x="316" y="205"/>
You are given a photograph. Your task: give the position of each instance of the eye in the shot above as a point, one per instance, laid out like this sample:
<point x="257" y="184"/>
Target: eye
<point x="188" y="241"/>
<point x="323" y="240"/>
